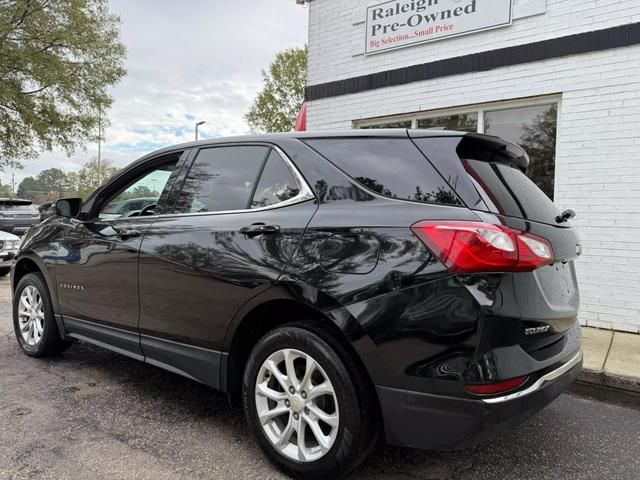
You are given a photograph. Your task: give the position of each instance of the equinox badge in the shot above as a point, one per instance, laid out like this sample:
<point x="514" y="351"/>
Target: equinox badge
<point x="536" y="330"/>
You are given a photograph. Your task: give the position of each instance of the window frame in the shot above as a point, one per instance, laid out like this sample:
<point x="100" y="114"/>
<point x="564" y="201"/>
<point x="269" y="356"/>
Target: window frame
<point x="305" y="194"/>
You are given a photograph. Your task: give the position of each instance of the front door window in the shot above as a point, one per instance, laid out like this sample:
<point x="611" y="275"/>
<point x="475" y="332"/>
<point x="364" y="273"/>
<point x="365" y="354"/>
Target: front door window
<point x="140" y="196"/>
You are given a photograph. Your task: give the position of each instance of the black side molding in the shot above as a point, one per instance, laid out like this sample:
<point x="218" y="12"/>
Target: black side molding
<point x="196" y="363"/>
<point x="115" y="339"/>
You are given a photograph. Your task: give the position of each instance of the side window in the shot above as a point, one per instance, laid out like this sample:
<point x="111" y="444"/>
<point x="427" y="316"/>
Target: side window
<point x="142" y="192"/>
<point x="222" y="179"/>
<point x="392" y="167"/>
<point x="276" y="183"/>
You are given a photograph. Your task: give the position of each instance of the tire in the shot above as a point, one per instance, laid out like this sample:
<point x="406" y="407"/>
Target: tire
<point x="349" y="408"/>
<point x="4" y="271"/>
<point x="41" y="337"/>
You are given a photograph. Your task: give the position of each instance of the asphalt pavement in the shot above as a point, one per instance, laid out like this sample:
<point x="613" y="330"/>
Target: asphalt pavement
<point x="92" y="414"/>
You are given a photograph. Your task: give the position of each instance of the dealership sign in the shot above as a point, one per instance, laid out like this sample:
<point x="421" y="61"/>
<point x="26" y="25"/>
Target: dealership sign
<point x="398" y="24"/>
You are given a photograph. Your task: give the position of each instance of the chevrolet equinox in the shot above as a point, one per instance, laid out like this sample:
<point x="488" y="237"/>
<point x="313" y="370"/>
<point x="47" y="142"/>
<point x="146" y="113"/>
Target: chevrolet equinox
<point x="414" y="285"/>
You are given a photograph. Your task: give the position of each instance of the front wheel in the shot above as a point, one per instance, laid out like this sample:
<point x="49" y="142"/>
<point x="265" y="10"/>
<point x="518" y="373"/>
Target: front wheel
<point x="34" y="323"/>
<point x="306" y="404"/>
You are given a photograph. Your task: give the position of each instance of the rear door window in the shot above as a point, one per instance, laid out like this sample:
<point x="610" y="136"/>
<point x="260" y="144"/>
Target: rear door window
<point x="222" y="179"/>
<point x="392" y="167"/>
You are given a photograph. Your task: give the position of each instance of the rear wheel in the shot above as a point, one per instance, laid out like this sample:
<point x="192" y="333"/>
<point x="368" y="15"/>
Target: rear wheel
<point x="34" y="323"/>
<point x="4" y="271"/>
<point x="307" y="406"/>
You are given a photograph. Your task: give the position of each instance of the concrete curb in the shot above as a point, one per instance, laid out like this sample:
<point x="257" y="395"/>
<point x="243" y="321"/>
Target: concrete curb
<point x="611" y="360"/>
<point x="605" y="379"/>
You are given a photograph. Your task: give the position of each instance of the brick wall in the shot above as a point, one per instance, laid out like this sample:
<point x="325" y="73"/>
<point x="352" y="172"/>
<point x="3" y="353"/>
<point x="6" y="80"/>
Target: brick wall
<point x="598" y="156"/>
<point x="337" y="33"/>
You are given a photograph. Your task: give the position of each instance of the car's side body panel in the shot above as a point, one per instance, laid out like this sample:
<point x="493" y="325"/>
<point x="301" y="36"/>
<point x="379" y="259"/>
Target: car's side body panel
<point x="97" y="272"/>
<point x="41" y="245"/>
<point x="196" y="271"/>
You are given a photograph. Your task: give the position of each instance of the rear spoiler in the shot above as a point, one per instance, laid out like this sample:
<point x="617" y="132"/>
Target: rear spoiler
<point x="493" y="149"/>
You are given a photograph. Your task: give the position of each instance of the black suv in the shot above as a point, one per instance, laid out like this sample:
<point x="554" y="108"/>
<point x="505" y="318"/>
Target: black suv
<point x="414" y="284"/>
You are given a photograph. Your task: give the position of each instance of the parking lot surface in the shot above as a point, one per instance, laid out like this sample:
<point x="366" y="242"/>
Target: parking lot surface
<point x="92" y="414"/>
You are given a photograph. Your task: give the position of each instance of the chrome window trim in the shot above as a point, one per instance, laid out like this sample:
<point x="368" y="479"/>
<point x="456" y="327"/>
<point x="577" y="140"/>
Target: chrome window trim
<point x="304" y="195"/>
<point x="552" y="375"/>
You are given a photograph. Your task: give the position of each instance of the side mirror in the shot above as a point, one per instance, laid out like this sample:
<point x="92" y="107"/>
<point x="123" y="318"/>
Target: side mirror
<point x="68" y="207"/>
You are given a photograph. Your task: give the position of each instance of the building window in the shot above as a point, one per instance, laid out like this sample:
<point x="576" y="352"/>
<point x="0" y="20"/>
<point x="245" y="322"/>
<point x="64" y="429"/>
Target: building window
<point x="534" y="129"/>
<point x="400" y="124"/>
<point x="463" y="122"/>
<point x="531" y="123"/>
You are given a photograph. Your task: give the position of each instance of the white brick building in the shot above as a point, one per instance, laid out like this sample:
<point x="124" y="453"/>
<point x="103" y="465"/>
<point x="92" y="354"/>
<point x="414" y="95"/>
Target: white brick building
<point x="575" y="61"/>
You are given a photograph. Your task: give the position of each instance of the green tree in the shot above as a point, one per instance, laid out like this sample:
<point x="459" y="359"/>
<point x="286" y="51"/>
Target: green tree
<point x="539" y="140"/>
<point x="29" y="188"/>
<point x="53" y="181"/>
<point x="72" y="184"/>
<point x="5" y="191"/>
<point x="49" y="184"/>
<point x="57" y="60"/>
<point x="276" y="107"/>
<point x="86" y="180"/>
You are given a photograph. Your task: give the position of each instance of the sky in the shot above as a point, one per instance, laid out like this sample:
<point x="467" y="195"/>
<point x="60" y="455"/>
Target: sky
<point x="187" y="61"/>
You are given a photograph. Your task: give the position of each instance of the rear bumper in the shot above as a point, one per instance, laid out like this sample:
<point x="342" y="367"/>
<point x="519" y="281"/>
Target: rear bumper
<point x="18" y="225"/>
<point x="422" y="420"/>
<point x="17" y="228"/>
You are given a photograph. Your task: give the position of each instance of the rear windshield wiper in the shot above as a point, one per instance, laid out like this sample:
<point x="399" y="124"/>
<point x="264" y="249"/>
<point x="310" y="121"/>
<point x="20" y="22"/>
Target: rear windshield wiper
<point x="566" y="215"/>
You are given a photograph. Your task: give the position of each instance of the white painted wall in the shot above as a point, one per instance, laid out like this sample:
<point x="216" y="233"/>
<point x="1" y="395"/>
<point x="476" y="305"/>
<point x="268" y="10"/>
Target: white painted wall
<point x="598" y="157"/>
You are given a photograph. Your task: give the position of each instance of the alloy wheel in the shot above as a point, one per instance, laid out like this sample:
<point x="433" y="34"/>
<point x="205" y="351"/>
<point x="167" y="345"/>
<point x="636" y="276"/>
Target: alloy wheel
<point x="297" y="405"/>
<point x="31" y="315"/>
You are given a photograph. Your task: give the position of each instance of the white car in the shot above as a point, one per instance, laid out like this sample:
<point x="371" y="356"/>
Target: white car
<point x="9" y="245"/>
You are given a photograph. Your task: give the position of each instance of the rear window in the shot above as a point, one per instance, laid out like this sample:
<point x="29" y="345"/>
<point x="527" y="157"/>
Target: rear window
<point x="488" y="173"/>
<point x="510" y="192"/>
<point x="392" y="167"/>
<point x="17" y="206"/>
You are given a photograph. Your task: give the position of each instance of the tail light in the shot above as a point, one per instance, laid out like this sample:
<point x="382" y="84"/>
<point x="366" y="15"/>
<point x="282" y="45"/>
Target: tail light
<point x="473" y="247"/>
<point x="495" y="388"/>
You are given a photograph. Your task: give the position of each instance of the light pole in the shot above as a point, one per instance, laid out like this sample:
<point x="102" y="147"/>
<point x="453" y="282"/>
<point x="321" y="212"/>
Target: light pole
<point x="197" y="125"/>
<point x="99" y="139"/>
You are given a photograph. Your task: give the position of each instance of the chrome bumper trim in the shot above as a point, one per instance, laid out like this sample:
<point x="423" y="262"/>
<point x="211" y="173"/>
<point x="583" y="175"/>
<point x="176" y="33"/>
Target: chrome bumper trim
<point x="539" y="383"/>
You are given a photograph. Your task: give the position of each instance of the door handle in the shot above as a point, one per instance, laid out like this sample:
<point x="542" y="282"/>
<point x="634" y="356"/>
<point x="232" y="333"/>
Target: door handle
<point x="128" y="233"/>
<point x="259" y="229"/>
